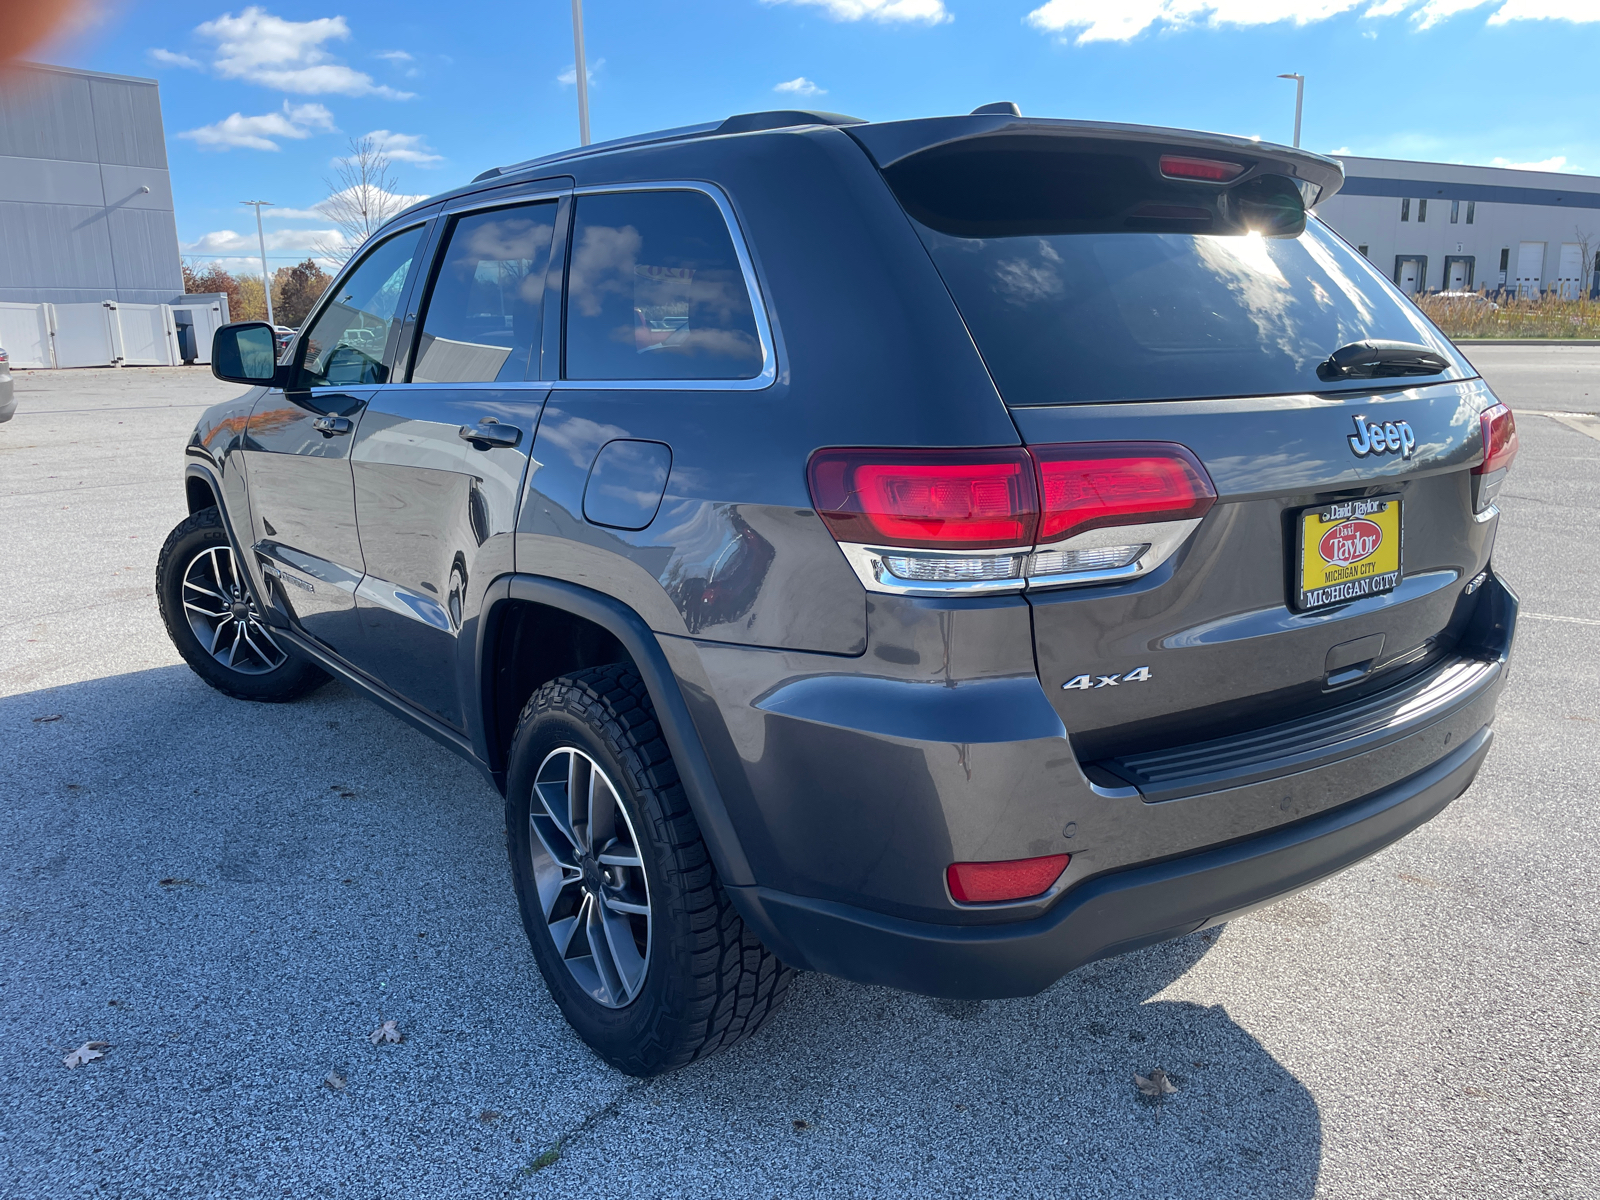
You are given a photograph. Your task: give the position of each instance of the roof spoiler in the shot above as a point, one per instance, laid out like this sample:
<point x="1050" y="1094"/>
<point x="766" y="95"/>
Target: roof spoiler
<point x="893" y="141"/>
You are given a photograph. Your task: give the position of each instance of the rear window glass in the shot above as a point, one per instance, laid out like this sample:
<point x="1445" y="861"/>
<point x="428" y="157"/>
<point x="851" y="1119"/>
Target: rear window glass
<point x="1090" y="277"/>
<point x="655" y="291"/>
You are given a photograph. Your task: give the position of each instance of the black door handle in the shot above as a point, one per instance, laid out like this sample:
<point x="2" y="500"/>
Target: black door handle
<point x="489" y="432"/>
<point x="332" y="426"/>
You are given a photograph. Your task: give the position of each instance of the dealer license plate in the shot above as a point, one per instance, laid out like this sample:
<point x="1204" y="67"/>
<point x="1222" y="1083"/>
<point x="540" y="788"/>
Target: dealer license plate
<point x="1348" y="550"/>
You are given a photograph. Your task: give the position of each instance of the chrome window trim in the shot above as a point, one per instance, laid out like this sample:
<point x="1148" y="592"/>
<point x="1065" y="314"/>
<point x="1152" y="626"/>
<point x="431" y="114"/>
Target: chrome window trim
<point x="1162" y="540"/>
<point x="479" y="203"/>
<point x="758" y="306"/>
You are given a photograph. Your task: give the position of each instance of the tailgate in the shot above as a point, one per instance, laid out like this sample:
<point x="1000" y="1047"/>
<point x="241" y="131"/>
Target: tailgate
<point x="1212" y="642"/>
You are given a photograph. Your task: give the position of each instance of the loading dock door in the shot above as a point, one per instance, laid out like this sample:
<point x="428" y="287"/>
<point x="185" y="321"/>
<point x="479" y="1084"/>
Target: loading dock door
<point x="1458" y="281"/>
<point x="1569" y="275"/>
<point x="1530" y="268"/>
<point x="1408" y="275"/>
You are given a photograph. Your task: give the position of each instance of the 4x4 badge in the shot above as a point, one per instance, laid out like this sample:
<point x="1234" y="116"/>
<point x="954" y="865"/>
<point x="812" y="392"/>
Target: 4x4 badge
<point x="1387" y="438"/>
<point x="1086" y="683"/>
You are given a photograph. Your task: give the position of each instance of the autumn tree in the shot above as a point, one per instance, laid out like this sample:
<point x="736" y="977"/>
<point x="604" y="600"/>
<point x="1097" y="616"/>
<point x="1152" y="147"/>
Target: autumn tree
<point x="296" y="289"/>
<point x="213" y="278"/>
<point x="361" y="199"/>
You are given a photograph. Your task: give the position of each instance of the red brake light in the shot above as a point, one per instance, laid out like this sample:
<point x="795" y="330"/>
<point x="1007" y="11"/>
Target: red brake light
<point x="1211" y="170"/>
<point x="1095" y="484"/>
<point x="1499" y="439"/>
<point x="987" y="882"/>
<point x="939" y="499"/>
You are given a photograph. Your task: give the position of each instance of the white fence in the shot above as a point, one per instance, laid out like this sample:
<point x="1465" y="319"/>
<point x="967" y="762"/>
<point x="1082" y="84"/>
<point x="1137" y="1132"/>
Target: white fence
<point x="106" y="333"/>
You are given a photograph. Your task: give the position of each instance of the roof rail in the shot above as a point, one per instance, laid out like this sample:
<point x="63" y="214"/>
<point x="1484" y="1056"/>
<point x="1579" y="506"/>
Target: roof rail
<point x="637" y="139"/>
<point x="741" y="123"/>
<point x="783" y="118"/>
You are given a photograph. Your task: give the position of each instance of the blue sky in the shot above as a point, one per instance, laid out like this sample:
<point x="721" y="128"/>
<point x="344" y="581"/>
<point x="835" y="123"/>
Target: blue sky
<point x="259" y="101"/>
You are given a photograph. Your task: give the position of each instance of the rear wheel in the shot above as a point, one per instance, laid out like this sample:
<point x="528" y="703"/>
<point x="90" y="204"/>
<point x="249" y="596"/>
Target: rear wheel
<point x="214" y="619"/>
<point x="635" y="937"/>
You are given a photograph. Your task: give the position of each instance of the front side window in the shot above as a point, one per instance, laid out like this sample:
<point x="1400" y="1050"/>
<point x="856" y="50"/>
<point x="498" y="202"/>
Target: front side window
<point x="655" y="291"/>
<point x="482" y="319"/>
<point x="345" y="344"/>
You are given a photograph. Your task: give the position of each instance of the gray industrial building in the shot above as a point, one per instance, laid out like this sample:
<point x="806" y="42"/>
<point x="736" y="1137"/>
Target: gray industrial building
<point x="85" y="198"/>
<point x="1434" y="227"/>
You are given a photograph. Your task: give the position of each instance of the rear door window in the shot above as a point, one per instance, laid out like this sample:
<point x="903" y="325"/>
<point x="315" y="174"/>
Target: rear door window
<point x="1089" y="277"/>
<point x="482" y="320"/>
<point x="655" y="290"/>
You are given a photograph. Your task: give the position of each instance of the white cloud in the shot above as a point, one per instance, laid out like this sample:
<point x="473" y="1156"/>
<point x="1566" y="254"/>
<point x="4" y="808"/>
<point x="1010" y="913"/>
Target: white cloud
<point x="169" y="59"/>
<point x="929" y="12"/>
<point x="800" y="86"/>
<point x="569" y="77"/>
<point x="1119" y="20"/>
<point x="252" y="265"/>
<point x="1341" y="152"/>
<point x="289" y="55"/>
<point x="226" y="241"/>
<point x="297" y="121"/>
<point x="405" y="147"/>
<point x="1555" y="163"/>
<point x="394" y="56"/>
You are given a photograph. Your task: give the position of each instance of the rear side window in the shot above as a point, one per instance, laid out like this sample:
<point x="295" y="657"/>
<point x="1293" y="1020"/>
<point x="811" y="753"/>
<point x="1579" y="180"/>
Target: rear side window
<point x="655" y="291"/>
<point x="1089" y="277"/>
<point x="483" y="315"/>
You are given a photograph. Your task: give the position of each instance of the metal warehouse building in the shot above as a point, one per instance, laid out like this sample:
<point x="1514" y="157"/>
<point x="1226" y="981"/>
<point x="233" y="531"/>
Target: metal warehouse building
<point x="85" y="198"/>
<point x="1438" y="227"/>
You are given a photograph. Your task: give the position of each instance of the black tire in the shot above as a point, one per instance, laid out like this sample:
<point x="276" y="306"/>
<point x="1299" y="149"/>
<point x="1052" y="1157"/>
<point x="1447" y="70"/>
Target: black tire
<point x="707" y="982"/>
<point x="261" y="669"/>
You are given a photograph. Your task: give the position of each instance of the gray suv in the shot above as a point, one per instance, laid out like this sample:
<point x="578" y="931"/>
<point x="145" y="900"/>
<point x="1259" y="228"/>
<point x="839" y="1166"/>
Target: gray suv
<point x="940" y="553"/>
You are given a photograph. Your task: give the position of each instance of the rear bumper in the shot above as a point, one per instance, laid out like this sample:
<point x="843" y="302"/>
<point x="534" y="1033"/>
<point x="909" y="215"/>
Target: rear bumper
<point x="1111" y="913"/>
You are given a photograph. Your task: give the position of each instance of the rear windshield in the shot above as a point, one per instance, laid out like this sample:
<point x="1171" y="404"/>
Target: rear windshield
<point x="1086" y="277"/>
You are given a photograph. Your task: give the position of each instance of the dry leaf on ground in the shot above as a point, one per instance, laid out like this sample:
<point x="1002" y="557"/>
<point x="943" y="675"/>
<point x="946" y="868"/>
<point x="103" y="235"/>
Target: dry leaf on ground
<point x="85" y="1053"/>
<point x="334" y="1080"/>
<point x="387" y="1032"/>
<point x="1154" y="1084"/>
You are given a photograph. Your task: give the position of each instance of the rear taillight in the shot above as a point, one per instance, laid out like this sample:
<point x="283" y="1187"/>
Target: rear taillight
<point x="918" y="516"/>
<point x="1018" y="879"/>
<point x="1499" y="448"/>
<point x="1109" y="483"/>
<point x="1212" y="170"/>
<point x="931" y="499"/>
<point x="1499" y="439"/>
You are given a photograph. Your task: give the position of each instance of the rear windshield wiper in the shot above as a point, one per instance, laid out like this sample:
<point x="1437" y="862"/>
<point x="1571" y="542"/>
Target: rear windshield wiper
<point x="1376" y="360"/>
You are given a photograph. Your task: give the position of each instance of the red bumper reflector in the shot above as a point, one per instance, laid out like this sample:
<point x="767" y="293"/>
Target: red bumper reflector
<point x="1018" y="879"/>
<point x="1499" y="439"/>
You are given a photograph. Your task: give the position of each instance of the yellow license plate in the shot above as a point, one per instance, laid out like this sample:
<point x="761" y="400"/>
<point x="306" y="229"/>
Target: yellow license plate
<point x="1348" y="550"/>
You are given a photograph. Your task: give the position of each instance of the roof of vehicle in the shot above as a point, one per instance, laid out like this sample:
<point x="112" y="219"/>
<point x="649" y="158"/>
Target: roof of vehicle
<point x="891" y="141"/>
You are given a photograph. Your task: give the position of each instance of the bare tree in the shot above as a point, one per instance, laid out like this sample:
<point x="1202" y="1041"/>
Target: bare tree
<point x="362" y="198"/>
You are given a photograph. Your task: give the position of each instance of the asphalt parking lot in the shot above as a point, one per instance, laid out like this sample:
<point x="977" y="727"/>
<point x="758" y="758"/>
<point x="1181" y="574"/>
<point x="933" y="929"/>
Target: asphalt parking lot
<point x="235" y="896"/>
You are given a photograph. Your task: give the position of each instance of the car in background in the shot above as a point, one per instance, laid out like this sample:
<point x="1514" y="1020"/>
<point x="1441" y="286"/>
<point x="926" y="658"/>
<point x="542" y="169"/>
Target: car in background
<point x="8" y="399"/>
<point x="282" y="335"/>
<point x="1474" y="299"/>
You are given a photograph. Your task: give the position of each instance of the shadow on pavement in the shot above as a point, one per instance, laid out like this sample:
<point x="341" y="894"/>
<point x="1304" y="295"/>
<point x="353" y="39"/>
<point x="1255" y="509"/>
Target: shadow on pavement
<point x="257" y="886"/>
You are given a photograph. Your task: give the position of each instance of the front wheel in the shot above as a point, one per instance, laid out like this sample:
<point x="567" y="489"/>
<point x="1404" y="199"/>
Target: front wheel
<point x="637" y="941"/>
<point x="215" y="622"/>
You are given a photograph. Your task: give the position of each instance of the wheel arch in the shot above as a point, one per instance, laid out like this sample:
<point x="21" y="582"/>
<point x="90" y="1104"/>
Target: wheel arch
<point x="200" y="490"/>
<point x="533" y="629"/>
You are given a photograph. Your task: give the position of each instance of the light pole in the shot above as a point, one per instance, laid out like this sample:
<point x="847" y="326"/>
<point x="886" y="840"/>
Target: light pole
<point x="261" y="240"/>
<point x="582" y="72"/>
<point x="1299" y="98"/>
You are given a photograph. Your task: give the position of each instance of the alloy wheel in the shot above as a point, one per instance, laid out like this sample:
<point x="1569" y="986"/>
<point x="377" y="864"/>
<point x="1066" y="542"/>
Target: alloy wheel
<point x="224" y="615"/>
<point x="590" y="877"/>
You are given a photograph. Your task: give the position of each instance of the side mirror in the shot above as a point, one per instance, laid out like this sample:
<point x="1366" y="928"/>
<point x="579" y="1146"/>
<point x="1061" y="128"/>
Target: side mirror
<point x="246" y="352"/>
